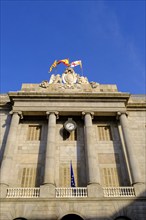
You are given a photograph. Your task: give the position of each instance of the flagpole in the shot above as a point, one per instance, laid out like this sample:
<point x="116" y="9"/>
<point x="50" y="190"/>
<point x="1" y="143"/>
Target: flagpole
<point x="82" y="70"/>
<point x="81" y="66"/>
<point x="56" y="70"/>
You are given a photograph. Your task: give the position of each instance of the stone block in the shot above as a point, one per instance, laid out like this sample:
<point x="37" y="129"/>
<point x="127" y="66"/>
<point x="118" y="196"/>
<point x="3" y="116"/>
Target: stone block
<point x="95" y="190"/>
<point x="47" y="191"/>
<point x="140" y="189"/>
<point x="3" y="190"/>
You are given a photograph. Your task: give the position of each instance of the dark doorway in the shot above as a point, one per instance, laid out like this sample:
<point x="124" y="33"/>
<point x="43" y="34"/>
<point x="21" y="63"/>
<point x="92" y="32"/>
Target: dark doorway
<point x="72" y="217"/>
<point x="122" y="218"/>
<point x="20" y="218"/>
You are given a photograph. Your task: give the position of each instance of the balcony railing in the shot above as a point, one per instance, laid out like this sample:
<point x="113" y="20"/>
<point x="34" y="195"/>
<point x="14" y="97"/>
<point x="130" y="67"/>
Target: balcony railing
<point x="71" y="192"/>
<point x="23" y="192"/>
<point x="118" y="191"/>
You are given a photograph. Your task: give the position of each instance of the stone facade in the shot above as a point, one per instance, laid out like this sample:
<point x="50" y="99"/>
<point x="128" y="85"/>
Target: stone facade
<point x="107" y="151"/>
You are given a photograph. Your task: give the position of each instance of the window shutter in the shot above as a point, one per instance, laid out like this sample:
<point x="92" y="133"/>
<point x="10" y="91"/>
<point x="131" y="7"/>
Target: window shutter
<point x="28" y="178"/>
<point x="34" y="133"/>
<point x="64" y="177"/>
<point x="110" y="176"/>
<point x="104" y="133"/>
<point x="70" y="136"/>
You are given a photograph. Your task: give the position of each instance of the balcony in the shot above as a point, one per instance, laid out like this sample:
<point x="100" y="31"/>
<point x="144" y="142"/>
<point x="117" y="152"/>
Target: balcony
<point x="23" y="192"/>
<point x="118" y="191"/>
<point x="71" y="192"/>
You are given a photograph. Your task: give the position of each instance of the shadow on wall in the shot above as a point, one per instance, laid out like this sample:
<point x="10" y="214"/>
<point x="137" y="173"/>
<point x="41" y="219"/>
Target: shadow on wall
<point x="6" y="127"/>
<point x="77" y="217"/>
<point x="133" y="211"/>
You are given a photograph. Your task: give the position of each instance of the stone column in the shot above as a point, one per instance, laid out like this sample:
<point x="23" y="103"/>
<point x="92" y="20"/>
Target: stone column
<point x="133" y="164"/>
<point x="6" y="166"/>
<point x="48" y="189"/>
<point x="93" y="173"/>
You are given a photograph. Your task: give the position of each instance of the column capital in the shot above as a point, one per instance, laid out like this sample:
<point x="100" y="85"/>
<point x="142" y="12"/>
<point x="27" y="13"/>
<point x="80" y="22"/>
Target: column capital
<point x="16" y="112"/>
<point x="121" y="113"/>
<point x="52" y="112"/>
<point x="91" y="113"/>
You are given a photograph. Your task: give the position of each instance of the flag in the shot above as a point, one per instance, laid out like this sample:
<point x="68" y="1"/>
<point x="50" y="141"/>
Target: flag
<point x="53" y="65"/>
<point x="76" y="63"/>
<point x="65" y="62"/>
<point x="72" y="176"/>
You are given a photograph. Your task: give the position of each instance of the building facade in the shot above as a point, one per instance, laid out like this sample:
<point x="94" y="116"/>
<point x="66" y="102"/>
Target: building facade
<point x="72" y="149"/>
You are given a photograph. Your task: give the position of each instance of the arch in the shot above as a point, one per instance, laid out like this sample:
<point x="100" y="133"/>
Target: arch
<point x="122" y="218"/>
<point x="71" y="217"/>
<point x="20" y="218"/>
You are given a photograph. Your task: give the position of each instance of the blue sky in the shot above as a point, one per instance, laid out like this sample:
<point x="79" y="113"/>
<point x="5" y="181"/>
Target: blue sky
<point x="108" y="36"/>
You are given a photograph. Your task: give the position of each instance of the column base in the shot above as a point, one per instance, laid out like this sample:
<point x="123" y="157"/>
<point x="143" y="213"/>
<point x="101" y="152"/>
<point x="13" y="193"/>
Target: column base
<point x="95" y="190"/>
<point x="140" y="189"/>
<point x="47" y="190"/>
<point x="3" y="190"/>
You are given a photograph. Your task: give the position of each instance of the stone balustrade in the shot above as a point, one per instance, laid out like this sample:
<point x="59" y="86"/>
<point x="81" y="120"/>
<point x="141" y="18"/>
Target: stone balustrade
<point x="118" y="191"/>
<point x="71" y="192"/>
<point x="23" y="192"/>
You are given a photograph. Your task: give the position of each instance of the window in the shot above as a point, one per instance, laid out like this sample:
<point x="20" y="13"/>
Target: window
<point x="110" y="176"/>
<point x="34" y="133"/>
<point x="104" y="132"/>
<point x="110" y="170"/>
<point x="69" y="136"/>
<point x="64" y="175"/>
<point x="28" y="178"/>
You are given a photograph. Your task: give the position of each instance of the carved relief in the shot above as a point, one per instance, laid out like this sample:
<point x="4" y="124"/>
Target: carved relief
<point x="82" y="79"/>
<point x="69" y="76"/>
<point x="94" y="84"/>
<point x="69" y="80"/>
<point x="44" y="84"/>
<point x="55" y="79"/>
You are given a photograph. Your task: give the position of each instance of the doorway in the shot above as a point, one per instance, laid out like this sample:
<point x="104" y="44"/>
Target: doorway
<point x="72" y="217"/>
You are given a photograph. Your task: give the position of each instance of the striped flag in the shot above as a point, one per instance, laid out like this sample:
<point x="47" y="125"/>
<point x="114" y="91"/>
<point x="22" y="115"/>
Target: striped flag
<point x="53" y="65"/>
<point x="65" y="62"/>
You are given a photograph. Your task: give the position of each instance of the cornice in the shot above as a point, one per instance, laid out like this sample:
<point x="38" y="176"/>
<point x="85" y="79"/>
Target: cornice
<point x="68" y="96"/>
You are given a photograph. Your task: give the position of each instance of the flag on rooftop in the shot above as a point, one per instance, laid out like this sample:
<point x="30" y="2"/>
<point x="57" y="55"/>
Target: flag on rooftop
<point x="76" y="63"/>
<point x="53" y="65"/>
<point x="65" y="62"/>
<point x="72" y="176"/>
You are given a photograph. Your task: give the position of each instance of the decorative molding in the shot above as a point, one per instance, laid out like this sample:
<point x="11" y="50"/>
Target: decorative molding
<point x="91" y="113"/>
<point x="17" y="112"/>
<point x="121" y="113"/>
<point x="56" y="113"/>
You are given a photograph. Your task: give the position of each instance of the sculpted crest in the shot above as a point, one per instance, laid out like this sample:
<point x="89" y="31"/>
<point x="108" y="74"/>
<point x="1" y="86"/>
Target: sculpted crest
<point x="68" y="80"/>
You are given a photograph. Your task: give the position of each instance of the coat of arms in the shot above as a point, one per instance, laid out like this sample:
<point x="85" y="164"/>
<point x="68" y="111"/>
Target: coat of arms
<point x="68" y="80"/>
<point x="69" y="76"/>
